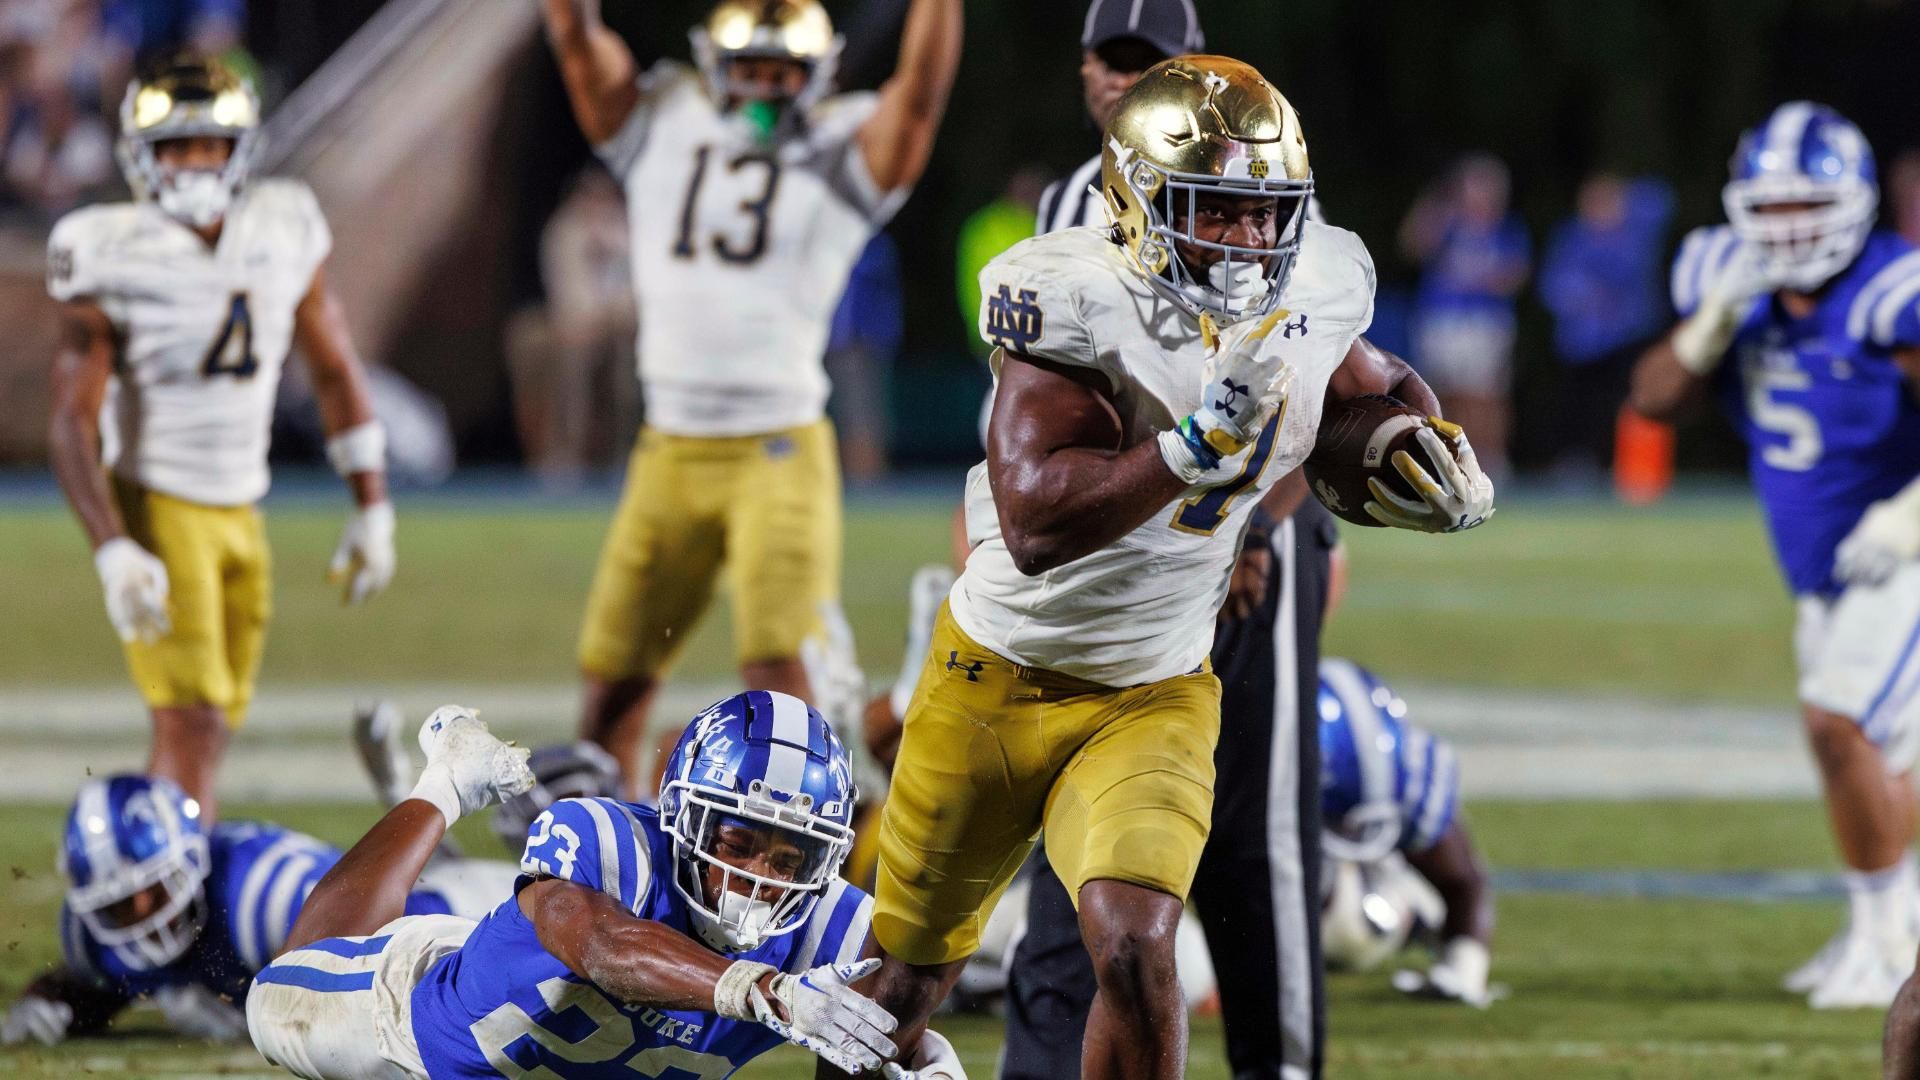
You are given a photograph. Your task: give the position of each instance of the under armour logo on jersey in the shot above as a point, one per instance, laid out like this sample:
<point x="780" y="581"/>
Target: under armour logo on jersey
<point x="1235" y="391"/>
<point x="972" y="670"/>
<point x="1014" y="323"/>
<point x="1299" y="324"/>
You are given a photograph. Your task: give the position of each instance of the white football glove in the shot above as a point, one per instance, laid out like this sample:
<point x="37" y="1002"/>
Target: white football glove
<point x="1459" y="500"/>
<point x="1460" y="974"/>
<point x="198" y="1013"/>
<point x="364" y="561"/>
<point x="1241" y="390"/>
<point x="1700" y="341"/>
<point x="933" y="1059"/>
<point x="136" y="587"/>
<point x="814" y="1010"/>
<point x="1886" y="537"/>
<point x="43" y="1020"/>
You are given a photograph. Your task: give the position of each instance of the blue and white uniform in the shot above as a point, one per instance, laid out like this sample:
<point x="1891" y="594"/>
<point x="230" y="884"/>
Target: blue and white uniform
<point x="1385" y="784"/>
<point x="447" y="997"/>
<point x="1831" y="426"/>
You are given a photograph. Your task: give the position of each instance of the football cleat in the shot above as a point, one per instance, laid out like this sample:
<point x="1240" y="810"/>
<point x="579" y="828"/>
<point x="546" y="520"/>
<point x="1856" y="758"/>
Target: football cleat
<point x="376" y="736"/>
<point x="1866" y="975"/>
<point x="482" y="768"/>
<point x="1803" y="979"/>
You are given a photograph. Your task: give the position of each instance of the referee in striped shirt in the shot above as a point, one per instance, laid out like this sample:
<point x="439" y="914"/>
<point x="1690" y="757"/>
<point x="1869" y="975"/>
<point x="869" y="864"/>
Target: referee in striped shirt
<point x="1257" y="890"/>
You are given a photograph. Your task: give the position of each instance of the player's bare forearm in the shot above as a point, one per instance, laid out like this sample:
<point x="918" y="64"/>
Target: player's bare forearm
<point x="1662" y="389"/>
<point x="1370" y="369"/>
<point x="339" y="379"/>
<point x="1453" y="868"/>
<point x="368" y="887"/>
<point x="1062" y="483"/>
<point x="898" y="138"/>
<point x="1900" y="1049"/>
<point x="596" y="65"/>
<point x="81" y="370"/>
<point x="638" y="961"/>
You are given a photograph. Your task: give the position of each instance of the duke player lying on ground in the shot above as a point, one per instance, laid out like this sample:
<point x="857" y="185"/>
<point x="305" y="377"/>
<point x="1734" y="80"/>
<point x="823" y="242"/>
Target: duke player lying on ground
<point x="1390" y="797"/>
<point x="158" y="907"/>
<point x="1821" y="315"/>
<point x="689" y="939"/>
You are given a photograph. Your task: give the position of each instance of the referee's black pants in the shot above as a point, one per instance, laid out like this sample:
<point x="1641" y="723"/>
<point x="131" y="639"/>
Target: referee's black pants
<point x="1257" y="891"/>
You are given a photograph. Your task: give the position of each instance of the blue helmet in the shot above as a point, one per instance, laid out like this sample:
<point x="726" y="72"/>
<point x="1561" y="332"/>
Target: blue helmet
<point x="758" y="798"/>
<point x="134" y="837"/>
<point x="1813" y="160"/>
<point x="1360" y="733"/>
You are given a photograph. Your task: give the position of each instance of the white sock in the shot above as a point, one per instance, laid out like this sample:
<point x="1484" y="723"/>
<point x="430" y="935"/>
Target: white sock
<point x="1881" y="903"/>
<point x="436" y="786"/>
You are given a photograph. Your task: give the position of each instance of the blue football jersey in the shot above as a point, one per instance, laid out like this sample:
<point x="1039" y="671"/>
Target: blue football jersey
<point x="258" y="877"/>
<point x="1829" y="420"/>
<point x="501" y="1005"/>
<point x="1373" y="759"/>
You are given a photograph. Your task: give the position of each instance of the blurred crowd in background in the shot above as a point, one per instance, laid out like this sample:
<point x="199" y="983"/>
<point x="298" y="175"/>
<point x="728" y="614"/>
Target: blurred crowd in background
<point x="1496" y="306"/>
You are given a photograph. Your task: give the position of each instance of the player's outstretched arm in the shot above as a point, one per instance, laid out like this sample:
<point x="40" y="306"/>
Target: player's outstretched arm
<point x="596" y="65"/>
<point x="59" y="1005"/>
<point x="1453" y="868"/>
<point x="356" y="443"/>
<point x="1662" y="387"/>
<point x="898" y="138"/>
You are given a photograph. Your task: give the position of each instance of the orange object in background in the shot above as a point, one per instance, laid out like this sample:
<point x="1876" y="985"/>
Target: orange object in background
<point x="1642" y="458"/>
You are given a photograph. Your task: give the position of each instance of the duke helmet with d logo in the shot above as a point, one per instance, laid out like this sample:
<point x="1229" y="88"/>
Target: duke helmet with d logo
<point x="798" y="31"/>
<point x="772" y="763"/>
<point x="1810" y="156"/>
<point x="187" y="97"/>
<point x="1197" y="125"/>
<point x="125" y="836"/>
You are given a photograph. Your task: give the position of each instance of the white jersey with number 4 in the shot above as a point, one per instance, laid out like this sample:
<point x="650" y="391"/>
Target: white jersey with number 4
<point x="740" y="254"/>
<point x="1142" y="608"/>
<point x="203" y="331"/>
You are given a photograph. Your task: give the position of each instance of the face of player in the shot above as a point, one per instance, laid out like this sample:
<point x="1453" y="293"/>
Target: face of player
<point x="199" y="153"/>
<point x="1244" y="221"/>
<point x="765" y="78"/>
<point x="763" y="851"/>
<point x="134" y="908"/>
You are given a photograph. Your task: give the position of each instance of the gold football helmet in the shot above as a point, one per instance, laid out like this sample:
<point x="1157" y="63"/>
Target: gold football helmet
<point x="188" y="96"/>
<point x="794" y="30"/>
<point x="1197" y="125"/>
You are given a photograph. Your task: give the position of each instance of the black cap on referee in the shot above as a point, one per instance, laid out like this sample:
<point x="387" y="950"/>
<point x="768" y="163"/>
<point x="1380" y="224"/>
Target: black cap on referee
<point x="1171" y="26"/>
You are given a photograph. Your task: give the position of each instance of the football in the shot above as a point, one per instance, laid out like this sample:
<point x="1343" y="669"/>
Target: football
<point x="1356" y="442"/>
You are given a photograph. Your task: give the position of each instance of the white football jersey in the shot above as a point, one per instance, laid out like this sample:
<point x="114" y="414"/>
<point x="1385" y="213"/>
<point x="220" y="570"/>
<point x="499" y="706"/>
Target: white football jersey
<point x="203" y="332"/>
<point x="1142" y="609"/>
<point x="739" y="254"/>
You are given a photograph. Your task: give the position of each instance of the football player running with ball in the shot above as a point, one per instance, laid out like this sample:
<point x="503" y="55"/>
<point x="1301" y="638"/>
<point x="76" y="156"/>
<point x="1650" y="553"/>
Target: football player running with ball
<point x="1804" y="321"/>
<point x="681" y="941"/>
<point x="178" y="311"/>
<point x="1153" y="380"/>
<point x="752" y="191"/>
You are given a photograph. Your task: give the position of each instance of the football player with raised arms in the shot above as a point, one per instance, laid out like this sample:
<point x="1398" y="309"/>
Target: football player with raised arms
<point x="178" y="310"/>
<point x="1804" y="322"/>
<point x="684" y="940"/>
<point x="1154" y="379"/>
<point x="751" y="190"/>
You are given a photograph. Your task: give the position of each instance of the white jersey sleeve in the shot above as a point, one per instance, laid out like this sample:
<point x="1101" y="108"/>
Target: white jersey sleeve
<point x="834" y="130"/>
<point x="595" y="842"/>
<point x="658" y="82"/>
<point x="80" y="255"/>
<point x="1029" y="307"/>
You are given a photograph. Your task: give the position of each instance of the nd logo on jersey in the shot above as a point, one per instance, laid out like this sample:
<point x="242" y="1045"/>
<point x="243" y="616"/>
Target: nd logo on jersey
<point x="1014" y="323"/>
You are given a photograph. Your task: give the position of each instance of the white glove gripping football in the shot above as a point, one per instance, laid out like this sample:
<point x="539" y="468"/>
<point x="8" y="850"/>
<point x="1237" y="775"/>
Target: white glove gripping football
<point x="1885" y="537"/>
<point x="198" y="1013"/>
<point x="364" y="561"/>
<point x="1460" y="974"/>
<point x="136" y="587"/>
<point x="813" y="1010"/>
<point x="43" y="1020"/>
<point x="1459" y="500"/>
<point x="933" y="1059"/>
<point x="1241" y="390"/>
<point x="468" y="767"/>
<point x="1700" y="341"/>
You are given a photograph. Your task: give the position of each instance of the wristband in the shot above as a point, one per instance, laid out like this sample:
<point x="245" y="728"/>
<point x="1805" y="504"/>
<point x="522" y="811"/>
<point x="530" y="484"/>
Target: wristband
<point x="734" y="991"/>
<point x="360" y="448"/>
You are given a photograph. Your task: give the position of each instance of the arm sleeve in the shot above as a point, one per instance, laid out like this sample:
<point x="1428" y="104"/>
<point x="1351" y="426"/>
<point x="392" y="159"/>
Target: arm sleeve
<point x="598" y="843"/>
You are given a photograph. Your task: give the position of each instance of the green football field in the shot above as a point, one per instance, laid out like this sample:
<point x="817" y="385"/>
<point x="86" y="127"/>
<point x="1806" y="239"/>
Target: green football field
<point x="1676" y="603"/>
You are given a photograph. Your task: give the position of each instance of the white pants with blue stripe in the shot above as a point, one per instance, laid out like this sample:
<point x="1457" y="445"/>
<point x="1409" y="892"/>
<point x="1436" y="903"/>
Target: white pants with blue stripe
<point x="341" y="1008"/>
<point x="1860" y="658"/>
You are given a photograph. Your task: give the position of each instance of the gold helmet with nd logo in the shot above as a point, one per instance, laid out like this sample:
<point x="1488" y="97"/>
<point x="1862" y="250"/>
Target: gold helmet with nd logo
<point x="1204" y="135"/>
<point x="187" y="97"/>
<point x="765" y="62"/>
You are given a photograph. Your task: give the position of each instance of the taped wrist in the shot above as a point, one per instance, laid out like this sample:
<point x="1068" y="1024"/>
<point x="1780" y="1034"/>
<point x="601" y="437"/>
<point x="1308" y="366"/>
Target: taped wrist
<point x="1187" y="458"/>
<point x="361" y="448"/>
<point x="1700" y="342"/>
<point x="734" y="992"/>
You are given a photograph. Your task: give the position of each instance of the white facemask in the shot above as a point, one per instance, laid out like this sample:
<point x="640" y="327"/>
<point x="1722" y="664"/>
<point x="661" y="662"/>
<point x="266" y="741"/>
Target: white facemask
<point x="199" y="197"/>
